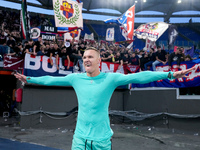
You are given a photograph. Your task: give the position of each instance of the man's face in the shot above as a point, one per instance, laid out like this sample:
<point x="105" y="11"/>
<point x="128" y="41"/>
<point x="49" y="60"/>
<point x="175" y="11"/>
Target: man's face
<point x="51" y="46"/>
<point x="91" y="61"/>
<point x="82" y="45"/>
<point x="64" y="50"/>
<point x="47" y="46"/>
<point x="56" y="46"/>
<point x="133" y="55"/>
<point x="178" y="51"/>
<point x="39" y="39"/>
<point x="182" y="49"/>
<point x="30" y="43"/>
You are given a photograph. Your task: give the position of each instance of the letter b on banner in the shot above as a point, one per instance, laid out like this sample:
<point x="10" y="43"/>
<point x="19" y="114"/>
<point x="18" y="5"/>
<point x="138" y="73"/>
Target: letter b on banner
<point x="32" y="63"/>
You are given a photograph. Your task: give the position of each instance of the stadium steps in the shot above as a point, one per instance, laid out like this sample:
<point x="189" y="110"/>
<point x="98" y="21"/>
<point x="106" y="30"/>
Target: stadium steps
<point x="194" y="29"/>
<point x="96" y="36"/>
<point x="184" y="37"/>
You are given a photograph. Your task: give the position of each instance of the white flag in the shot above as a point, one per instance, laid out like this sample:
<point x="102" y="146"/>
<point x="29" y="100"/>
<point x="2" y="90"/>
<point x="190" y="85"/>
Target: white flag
<point x="151" y="31"/>
<point x="69" y="36"/>
<point x="110" y="34"/>
<point x="150" y="44"/>
<point x="89" y="37"/>
<point x="68" y="13"/>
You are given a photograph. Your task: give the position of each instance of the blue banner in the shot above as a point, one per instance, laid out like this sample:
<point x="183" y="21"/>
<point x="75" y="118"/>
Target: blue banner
<point x="192" y="81"/>
<point x="37" y="66"/>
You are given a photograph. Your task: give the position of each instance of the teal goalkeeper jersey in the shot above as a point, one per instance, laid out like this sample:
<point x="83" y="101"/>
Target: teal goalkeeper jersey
<point x="94" y="95"/>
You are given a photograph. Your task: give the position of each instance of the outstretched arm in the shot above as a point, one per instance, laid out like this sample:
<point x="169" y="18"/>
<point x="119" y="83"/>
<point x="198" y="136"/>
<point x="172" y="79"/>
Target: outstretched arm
<point x="149" y="76"/>
<point x="47" y="80"/>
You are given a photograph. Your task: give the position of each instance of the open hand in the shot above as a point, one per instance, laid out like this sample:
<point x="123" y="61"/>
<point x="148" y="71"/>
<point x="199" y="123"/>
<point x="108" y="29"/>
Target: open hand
<point x="20" y="77"/>
<point x="181" y="74"/>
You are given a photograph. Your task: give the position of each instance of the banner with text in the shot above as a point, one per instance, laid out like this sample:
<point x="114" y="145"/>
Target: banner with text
<point x="13" y="62"/>
<point x="40" y="65"/>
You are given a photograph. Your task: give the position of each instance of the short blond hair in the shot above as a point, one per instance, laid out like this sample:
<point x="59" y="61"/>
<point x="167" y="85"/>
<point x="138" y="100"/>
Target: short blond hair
<point x="92" y="48"/>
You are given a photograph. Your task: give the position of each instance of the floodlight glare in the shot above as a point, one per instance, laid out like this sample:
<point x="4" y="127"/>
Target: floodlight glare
<point x="144" y="1"/>
<point x="179" y="1"/>
<point x="135" y="1"/>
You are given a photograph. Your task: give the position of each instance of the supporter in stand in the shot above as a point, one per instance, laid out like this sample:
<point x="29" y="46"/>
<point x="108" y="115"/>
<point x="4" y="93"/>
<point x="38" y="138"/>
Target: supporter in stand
<point x="51" y="52"/>
<point x="29" y="47"/>
<point x="129" y="52"/>
<point x="134" y="59"/>
<point x="64" y="55"/>
<point x="41" y="52"/>
<point x="19" y="50"/>
<point x="81" y="49"/>
<point x="143" y="60"/>
<point x="109" y="56"/>
<point x="2" y="38"/>
<point x="125" y="58"/>
<point x="37" y="45"/>
<point x="118" y="60"/>
<point x="140" y="54"/>
<point x="182" y="54"/>
<point x="102" y="54"/>
<point x="11" y="41"/>
<point x="25" y="44"/>
<point x="16" y="35"/>
<point x="161" y="57"/>
<point x="76" y="58"/>
<point x="122" y="51"/>
<point x="56" y="54"/>
<point x="151" y="58"/>
<point x="47" y="46"/>
<point x="188" y="58"/>
<point x="175" y="56"/>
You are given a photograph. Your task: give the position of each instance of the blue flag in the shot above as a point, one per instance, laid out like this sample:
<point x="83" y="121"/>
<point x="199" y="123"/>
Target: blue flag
<point x="190" y="51"/>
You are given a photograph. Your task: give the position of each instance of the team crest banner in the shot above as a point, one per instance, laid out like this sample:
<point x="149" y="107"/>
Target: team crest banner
<point x="72" y="34"/>
<point x="68" y="13"/>
<point x="151" y="31"/>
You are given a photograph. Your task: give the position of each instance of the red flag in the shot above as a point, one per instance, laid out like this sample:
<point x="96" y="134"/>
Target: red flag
<point x="130" y="22"/>
<point x="175" y="48"/>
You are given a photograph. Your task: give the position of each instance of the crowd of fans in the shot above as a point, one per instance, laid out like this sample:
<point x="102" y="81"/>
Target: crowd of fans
<point x="115" y="53"/>
<point x="109" y="52"/>
<point x="72" y="52"/>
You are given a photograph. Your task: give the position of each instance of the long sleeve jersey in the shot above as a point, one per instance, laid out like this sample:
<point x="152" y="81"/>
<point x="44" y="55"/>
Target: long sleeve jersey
<point x="94" y="95"/>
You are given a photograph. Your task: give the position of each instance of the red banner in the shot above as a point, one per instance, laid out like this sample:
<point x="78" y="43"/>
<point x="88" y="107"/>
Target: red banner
<point x="13" y="63"/>
<point x="112" y="67"/>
